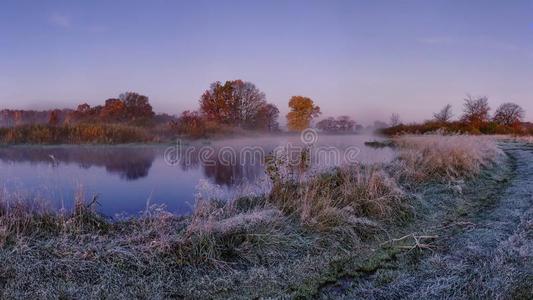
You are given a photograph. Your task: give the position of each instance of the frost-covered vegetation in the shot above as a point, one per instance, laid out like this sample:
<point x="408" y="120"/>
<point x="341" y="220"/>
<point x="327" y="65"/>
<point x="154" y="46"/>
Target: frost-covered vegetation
<point x="288" y="242"/>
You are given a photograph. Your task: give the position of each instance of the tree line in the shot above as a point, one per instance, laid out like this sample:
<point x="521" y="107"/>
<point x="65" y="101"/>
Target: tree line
<point x="129" y="107"/>
<point x="476" y="118"/>
<point x="239" y="105"/>
<point x="223" y="108"/>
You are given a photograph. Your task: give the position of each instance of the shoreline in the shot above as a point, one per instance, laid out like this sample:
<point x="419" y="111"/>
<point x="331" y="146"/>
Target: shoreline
<point x="264" y="246"/>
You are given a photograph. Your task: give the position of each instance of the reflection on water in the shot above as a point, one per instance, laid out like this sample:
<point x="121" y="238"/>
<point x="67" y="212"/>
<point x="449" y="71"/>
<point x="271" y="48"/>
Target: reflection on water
<point x="130" y="163"/>
<point x="128" y="178"/>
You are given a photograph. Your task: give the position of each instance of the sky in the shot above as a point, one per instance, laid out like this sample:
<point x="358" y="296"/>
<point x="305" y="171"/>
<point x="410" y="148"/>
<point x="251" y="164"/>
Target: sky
<point x="365" y="59"/>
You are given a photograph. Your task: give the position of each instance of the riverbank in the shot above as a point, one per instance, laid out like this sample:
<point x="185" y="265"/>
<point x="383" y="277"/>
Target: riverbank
<point x="293" y="242"/>
<point x="117" y="134"/>
<point x="481" y="247"/>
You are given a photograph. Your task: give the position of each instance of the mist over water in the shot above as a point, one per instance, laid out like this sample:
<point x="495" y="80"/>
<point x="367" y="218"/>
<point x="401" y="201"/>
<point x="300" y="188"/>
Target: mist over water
<point x="128" y="178"/>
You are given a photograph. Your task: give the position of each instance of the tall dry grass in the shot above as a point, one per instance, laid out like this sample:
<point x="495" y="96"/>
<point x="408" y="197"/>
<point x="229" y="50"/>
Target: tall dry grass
<point x="21" y="218"/>
<point x="348" y="202"/>
<point x="75" y="134"/>
<point x="443" y="157"/>
<point x="220" y="234"/>
<point x="345" y="199"/>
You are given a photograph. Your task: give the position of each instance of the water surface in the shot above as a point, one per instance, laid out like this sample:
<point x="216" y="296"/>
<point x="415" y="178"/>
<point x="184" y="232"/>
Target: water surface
<point x="127" y="179"/>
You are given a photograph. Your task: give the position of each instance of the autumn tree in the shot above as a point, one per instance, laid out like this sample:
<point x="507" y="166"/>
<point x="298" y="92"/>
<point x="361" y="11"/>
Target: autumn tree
<point x="303" y="111"/>
<point x="190" y="123"/>
<point x="84" y="113"/>
<point x="83" y="108"/>
<point x="128" y="107"/>
<point x="444" y="115"/>
<point x="476" y="111"/>
<point x="237" y="103"/>
<point x="509" y="114"/>
<point x="137" y="106"/>
<point x="267" y="118"/>
<point x="215" y="103"/>
<point x="114" y="110"/>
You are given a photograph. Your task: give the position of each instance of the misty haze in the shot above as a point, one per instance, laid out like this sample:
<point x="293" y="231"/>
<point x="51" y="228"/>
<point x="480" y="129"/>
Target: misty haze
<point x="266" y="149"/>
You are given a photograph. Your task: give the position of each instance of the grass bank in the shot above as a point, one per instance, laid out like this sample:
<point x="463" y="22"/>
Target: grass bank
<point x="114" y="133"/>
<point x="289" y="242"/>
<point x="77" y="134"/>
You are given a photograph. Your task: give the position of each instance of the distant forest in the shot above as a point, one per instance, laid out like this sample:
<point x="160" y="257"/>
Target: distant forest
<point x="232" y="107"/>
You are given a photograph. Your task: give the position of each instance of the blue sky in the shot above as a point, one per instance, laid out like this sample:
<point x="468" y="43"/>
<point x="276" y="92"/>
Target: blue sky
<point x="366" y="59"/>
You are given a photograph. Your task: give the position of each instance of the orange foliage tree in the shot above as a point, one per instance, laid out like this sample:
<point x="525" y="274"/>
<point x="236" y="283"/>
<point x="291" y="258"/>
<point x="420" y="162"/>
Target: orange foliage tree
<point x="114" y="110"/>
<point x="238" y="103"/>
<point x="303" y="111"/>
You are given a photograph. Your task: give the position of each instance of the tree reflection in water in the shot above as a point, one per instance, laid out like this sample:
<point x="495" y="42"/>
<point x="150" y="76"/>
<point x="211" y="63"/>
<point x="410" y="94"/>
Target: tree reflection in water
<point x="130" y="163"/>
<point x="223" y="172"/>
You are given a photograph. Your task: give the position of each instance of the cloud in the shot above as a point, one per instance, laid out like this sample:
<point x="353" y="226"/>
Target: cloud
<point x="436" y="40"/>
<point x="60" y="20"/>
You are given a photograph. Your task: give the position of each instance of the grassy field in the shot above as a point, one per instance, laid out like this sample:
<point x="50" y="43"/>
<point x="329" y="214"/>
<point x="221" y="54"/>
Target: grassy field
<point x="291" y="242"/>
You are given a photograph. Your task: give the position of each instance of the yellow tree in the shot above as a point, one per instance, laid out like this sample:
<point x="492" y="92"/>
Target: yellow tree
<point x="303" y="110"/>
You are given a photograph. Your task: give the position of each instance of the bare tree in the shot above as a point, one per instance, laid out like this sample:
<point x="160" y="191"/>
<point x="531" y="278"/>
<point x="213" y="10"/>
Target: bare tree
<point x="248" y="100"/>
<point x="445" y="115"/>
<point x="509" y="114"/>
<point x="395" y="120"/>
<point x="345" y="123"/>
<point x="327" y="125"/>
<point x="267" y="118"/>
<point x="341" y="124"/>
<point x="476" y="110"/>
